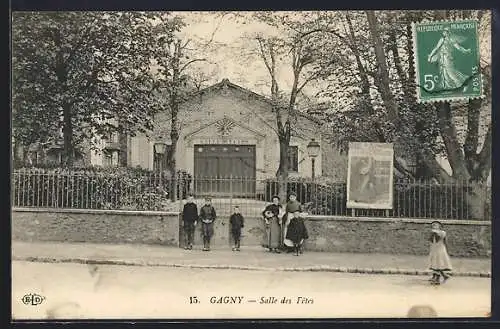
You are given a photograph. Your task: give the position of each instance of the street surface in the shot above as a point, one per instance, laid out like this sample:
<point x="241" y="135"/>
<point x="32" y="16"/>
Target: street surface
<point x="87" y="291"/>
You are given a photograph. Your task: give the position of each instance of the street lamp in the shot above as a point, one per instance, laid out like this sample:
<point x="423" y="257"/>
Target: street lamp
<point x="313" y="151"/>
<point x="160" y="148"/>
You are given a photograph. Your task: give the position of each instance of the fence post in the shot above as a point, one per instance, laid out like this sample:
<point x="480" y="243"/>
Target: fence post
<point x="230" y="192"/>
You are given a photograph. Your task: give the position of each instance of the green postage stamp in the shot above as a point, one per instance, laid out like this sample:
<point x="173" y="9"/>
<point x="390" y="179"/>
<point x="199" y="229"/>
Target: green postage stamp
<point x="447" y="60"/>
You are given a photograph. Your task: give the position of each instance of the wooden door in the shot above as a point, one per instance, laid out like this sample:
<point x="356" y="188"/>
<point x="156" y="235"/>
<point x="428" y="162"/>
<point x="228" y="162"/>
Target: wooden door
<point x="224" y="170"/>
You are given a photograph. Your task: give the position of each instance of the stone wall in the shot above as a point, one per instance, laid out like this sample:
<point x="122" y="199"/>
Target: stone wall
<point x="327" y="233"/>
<point x="97" y="226"/>
<point x="396" y="236"/>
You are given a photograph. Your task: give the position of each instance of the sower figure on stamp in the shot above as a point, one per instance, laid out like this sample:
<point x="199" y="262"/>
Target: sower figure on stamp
<point x="207" y="217"/>
<point x="237" y="223"/>
<point x="272" y="216"/>
<point x="189" y="218"/>
<point x="449" y="76"/>
<point x="439" y="260"/>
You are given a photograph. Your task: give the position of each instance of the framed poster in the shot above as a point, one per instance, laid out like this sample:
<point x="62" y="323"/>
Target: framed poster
<point x="370" y="176"/>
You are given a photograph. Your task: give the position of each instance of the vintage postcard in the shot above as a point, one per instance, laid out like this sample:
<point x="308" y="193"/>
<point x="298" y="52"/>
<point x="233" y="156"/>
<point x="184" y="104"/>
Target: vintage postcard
<point x="251" y="165"/>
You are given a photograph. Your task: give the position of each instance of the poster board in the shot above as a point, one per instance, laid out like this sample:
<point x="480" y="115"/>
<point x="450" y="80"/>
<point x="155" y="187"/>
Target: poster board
<point x="370" y="175"/>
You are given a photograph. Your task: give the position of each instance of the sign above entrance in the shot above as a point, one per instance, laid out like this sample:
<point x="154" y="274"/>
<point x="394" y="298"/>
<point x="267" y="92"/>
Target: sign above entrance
<point x="225" y="141"/>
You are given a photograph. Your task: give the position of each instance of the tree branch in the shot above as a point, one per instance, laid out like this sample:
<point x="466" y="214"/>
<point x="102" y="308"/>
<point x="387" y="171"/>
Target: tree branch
<point x="335" y="33"/>
<point x="215" y="30"/>
<point x="484" y="166"/>
<point x="307" y="80"/>
<point x="191" y="62"/>
<point x="80" y="42"/>
<point x="430" y="161"/>
<point x="262" y="54"/>
<point x="472" y="137"/>
<point x="453" y="148"/>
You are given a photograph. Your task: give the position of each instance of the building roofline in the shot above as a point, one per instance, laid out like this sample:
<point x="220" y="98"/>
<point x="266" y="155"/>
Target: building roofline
<point x="226" y="83"/>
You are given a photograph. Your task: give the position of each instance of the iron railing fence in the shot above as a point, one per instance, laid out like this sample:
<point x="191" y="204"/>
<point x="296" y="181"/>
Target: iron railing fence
<point x="151" y="191"/>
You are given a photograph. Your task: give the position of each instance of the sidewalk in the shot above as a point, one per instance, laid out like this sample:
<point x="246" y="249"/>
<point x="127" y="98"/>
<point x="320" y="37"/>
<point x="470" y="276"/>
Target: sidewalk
<point x="251" y="258"/>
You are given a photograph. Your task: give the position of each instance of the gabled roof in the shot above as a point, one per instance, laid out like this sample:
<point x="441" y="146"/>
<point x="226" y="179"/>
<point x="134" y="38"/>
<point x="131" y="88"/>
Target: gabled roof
<point x="225" y="83"/>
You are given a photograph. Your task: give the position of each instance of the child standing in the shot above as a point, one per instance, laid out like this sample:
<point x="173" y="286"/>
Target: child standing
<point x="189" y="217"/>
<point x="439" y="260"/>
<point x="292" y="206"/>
<point x="207" y="217"/>
<point x="297" y="231"/>
<point x="237" y="223"/>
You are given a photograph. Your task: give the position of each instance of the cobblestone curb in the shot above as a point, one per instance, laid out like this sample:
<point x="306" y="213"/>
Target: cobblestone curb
<point x="318" y="268"/>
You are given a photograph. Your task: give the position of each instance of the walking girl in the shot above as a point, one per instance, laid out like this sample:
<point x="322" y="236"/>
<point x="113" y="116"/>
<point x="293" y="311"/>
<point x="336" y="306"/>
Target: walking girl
<point x="439" y="260"/>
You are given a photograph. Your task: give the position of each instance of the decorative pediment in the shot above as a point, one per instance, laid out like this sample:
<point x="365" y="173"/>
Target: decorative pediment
<point x="225" y="127"/>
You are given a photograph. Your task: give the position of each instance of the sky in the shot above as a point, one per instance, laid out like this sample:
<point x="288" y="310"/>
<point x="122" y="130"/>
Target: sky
<point x="230" y="35"/>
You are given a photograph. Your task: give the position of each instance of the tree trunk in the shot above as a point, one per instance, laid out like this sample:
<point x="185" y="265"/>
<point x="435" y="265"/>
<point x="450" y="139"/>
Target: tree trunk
<point x="476" y="200"/>
<point x="453" y="147"/>
<point x="68" y="154"/>
<point x="382" y="81"/>
<point x="174" y="137"/>
<point x="17" y="159"/>
<point x="282" y="173"/>
<point x="123" y="142"/>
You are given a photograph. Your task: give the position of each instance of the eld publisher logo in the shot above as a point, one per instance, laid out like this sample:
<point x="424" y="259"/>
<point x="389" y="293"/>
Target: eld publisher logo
<point x="32" y="299"/>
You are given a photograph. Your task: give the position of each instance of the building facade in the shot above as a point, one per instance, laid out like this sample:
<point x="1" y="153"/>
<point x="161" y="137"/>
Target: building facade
<point x="226" y="131"/>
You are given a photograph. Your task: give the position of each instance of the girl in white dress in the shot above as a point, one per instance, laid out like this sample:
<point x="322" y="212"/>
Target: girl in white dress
<point x="439" y="260"/>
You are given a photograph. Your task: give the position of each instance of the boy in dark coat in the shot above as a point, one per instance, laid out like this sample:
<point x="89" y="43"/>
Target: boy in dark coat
<point x="237" y="223"/>
<point x="207" y="217"/>
<point x="190" y="219"/>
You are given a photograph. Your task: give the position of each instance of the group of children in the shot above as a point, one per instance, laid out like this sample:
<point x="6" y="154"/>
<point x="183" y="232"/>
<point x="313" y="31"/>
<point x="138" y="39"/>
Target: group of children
<point x="207" y="217"/>
<point x="286" y="231"/>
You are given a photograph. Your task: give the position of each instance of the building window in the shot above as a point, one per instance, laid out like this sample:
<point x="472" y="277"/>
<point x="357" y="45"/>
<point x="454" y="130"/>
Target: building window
<point x="293" y="158"/>
<point x="160" y="160"/>
<point x="112" y="137"/>
<point x="110" y="158"/>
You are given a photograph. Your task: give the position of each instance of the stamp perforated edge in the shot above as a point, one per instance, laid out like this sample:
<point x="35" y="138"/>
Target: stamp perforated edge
<point x="415" y="62"/>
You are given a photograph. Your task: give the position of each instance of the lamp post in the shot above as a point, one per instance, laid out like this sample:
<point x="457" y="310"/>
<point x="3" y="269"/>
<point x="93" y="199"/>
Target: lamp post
<point x="160" y="148"/>
<point x="313" y="151"/>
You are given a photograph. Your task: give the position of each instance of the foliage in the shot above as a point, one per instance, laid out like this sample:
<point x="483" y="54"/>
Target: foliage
<point x="77" y="72"/>
<point x="95" y="188"/>
<point x="374" y="96"/>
